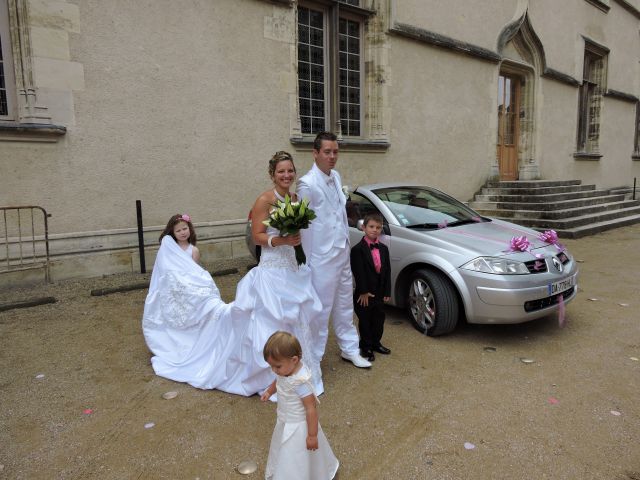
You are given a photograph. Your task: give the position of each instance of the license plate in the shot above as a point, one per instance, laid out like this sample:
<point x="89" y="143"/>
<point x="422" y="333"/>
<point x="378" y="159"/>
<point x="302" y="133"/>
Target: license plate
<point x="562" y="285"/>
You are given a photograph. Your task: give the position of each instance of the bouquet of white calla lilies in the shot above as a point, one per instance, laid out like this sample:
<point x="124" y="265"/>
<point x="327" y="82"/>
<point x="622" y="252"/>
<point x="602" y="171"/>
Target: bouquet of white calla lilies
<point x="291" y="217"/>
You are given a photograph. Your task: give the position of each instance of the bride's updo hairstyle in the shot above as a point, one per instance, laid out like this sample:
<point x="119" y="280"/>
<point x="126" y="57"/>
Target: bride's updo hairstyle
<point x="278" y="157"/>
<point x="281" y="345"/>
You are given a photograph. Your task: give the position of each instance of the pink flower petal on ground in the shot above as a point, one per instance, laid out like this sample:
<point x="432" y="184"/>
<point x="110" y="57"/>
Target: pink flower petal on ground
<point x="149" y="425"/>
<point x="553" y="401"/>
<point x="87" y="411"/>
<point x="616" y="413"/>
<point x="40" y="375"/>
<point x="469" y="445"/>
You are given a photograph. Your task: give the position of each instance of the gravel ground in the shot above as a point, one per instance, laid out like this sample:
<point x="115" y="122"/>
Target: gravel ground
<point x="77" y="390"/>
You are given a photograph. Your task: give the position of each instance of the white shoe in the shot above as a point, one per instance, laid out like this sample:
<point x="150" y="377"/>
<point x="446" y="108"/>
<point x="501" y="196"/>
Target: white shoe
<point x="357" y="360"/>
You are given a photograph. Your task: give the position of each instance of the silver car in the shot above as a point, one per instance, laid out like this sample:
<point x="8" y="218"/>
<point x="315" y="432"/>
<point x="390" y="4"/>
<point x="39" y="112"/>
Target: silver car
<point x="448" y="262"/>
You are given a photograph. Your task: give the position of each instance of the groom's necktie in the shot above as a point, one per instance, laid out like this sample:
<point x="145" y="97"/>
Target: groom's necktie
<point x="331" y="185"/>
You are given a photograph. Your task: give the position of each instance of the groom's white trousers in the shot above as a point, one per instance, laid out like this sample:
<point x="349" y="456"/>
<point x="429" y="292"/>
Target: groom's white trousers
<point x="331" y="277"/>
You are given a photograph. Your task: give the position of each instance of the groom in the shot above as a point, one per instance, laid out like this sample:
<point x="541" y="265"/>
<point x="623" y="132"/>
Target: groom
<point x="326" y="244"/>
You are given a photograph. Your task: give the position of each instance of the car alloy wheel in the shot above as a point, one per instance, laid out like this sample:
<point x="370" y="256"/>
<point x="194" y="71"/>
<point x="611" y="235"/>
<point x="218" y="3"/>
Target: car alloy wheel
<point x="421" y="304"/>
<point x="432" y="302"/>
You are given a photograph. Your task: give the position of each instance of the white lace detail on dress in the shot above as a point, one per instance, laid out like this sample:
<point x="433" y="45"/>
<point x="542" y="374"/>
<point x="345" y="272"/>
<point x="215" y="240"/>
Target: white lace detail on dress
<point x="283" y="256"/>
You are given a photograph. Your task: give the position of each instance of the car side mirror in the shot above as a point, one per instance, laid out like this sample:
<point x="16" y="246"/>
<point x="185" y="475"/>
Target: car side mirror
<point x="360" y="225"/>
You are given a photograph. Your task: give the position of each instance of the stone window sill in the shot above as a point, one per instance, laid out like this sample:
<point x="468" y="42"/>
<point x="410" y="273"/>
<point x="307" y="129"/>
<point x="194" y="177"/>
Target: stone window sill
<point x="31" y="132"/>
<point x="347" y="144"/>
<point x="587" y="156"/>
<point x="635" y="156"/>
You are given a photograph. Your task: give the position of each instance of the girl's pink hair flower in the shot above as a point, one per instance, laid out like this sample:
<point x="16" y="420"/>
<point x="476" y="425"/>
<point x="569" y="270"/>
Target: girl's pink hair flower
<point x="185" y="217"/>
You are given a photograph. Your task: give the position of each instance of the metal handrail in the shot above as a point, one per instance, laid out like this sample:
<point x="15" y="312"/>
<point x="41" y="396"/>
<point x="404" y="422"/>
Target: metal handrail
<point x="23" y="261"/>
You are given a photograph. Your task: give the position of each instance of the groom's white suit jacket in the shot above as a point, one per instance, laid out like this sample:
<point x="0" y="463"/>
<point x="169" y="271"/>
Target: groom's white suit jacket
<point x="330" y="228"/>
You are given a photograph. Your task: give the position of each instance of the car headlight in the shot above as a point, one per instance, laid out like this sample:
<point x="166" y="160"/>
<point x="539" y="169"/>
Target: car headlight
<point x="496" y="265"/>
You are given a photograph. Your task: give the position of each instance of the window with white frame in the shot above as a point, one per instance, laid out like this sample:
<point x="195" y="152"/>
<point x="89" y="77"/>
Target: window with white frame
<point x="590" y="101"/>
<point x="330" y="73"/>
<point x="7" y="83"/>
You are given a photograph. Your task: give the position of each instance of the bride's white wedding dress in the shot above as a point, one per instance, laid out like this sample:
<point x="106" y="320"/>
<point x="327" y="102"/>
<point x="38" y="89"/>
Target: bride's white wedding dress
<point x="198" y="339"/>
<point x="275" y="295"/>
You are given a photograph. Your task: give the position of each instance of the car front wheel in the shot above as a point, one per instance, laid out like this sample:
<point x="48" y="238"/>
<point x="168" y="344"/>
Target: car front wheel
<point x="432" y="303"/>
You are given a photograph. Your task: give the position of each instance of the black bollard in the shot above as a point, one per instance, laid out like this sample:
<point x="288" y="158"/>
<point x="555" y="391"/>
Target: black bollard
<point x="143" y="268"/>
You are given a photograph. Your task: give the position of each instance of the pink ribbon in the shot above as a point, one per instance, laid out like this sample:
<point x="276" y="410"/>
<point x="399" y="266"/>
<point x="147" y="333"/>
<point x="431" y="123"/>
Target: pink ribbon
<point x="561" y="318"/>
<point x="522" y="244"/>
<point x="551" y="237"/>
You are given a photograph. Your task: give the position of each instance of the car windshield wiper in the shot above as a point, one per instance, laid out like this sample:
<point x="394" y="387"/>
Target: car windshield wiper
<point x="461" y="222"/>
<point x="424" y="225"/>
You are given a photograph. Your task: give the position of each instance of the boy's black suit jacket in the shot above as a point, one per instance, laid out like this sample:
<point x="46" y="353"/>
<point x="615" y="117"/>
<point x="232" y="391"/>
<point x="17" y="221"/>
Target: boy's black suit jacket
<point x="364" y="272"/>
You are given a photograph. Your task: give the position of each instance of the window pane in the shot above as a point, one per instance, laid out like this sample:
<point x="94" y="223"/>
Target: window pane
<point x="303" y="34"/>
<point x="316" y="37"/>
<point x="303" y="53"/>
<point x="317" y="109"/>
<point x="354" y="95"/>
<point x="317" y="73"/>
<point x="305" y="107"/>
<point x="317" y="126"/>
<point x="317" y="55"/>
<point x="303" y="87"/>
<point x="315" y="19"/>
<point x="317" y="91"/>
<point x="304" y="70"/>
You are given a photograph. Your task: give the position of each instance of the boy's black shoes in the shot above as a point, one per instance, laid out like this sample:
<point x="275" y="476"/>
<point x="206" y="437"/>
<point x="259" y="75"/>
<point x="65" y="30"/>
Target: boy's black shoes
<point x="368" y="354"/>
<point x="382" y="349"/>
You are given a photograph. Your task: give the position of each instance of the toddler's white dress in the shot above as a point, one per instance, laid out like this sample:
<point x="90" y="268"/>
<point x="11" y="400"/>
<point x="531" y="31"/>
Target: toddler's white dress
<point x="289" y="458"/>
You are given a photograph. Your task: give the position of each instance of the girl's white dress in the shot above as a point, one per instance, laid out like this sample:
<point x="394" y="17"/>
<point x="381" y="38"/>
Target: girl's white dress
<point x="198" y="339"/>
<point x="185" y="323"/>
<point x="288" y="455"/>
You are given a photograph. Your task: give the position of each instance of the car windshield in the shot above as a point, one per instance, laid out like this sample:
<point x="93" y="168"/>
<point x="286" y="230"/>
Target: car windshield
<point x="421" y="207"/>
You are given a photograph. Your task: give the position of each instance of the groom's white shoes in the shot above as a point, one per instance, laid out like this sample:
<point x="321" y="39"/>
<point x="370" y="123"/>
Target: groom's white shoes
<point x="357" y="360"/>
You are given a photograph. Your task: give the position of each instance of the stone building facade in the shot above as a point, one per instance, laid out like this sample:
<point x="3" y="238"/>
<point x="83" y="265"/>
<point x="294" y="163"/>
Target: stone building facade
<point x="181" y="104"/>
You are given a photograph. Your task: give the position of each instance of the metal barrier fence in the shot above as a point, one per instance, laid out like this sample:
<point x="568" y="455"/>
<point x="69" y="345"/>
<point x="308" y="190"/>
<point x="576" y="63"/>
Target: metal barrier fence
<point x="24" y="239"/>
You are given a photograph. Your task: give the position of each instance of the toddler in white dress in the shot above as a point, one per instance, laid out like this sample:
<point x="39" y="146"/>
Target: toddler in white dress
<point x="299" y="449"/>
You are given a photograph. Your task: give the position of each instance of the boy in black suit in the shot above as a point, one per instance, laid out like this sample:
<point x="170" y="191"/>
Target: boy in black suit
<point x="372" y="274"/>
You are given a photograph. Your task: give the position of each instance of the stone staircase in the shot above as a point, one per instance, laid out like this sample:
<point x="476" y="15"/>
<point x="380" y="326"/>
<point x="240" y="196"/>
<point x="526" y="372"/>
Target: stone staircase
<point x="568" y="207"/>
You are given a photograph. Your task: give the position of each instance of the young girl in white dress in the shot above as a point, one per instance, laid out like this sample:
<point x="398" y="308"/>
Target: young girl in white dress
<point x="299" y="449"/>
<point x="185" y="323"/>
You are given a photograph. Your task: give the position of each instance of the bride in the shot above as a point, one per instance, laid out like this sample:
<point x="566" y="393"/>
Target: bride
<point x="276" y="295"/>
<point x="217" y="345"/>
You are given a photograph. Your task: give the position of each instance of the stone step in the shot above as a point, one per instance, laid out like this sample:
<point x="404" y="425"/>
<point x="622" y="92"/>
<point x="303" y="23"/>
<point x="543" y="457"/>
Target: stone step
<point x="598" y="227"/>
<point x="558" y="214"/>
<point x="533" y="183"/>
<point x="548" y="206"/>
<point x="546" y="198"/>
<point x="537" y="191"/>
<point x="574" y="222"/>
